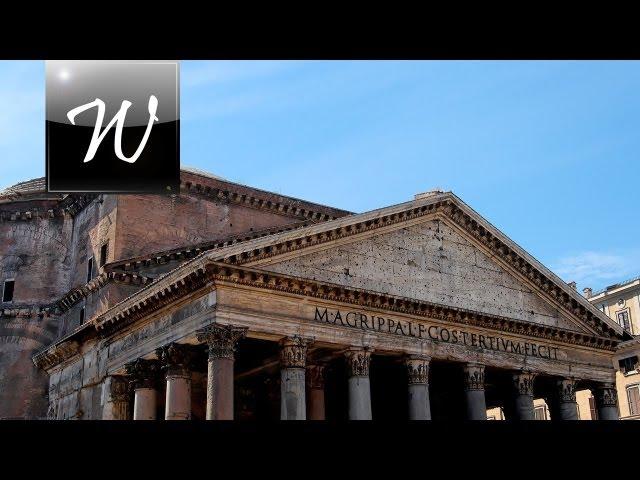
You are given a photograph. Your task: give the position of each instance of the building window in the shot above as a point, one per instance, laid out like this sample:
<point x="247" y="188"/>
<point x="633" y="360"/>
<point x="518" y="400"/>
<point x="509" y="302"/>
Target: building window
<point x="82" y="315"/>
<point x="628" y="365"/>
<point x="624" y="319"/>
<point x="621" y="302"/>
<point x="7" y="290"/>
<point x="592" y="408"/>
<point x="104" y="250"/>
<point x="541" y="413"/>
<point x="633" y="396"/>
<point x="89" y="269"/>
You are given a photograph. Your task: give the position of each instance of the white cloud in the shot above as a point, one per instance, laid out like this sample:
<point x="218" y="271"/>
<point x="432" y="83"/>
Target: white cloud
<point x="598" y="269"/>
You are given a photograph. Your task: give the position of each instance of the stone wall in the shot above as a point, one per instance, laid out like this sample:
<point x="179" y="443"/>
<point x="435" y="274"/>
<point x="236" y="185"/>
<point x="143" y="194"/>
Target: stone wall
<point x="46" y="251"/>
<point x="152" y="223"/>
<point x="36" y="253"/>
<point x="76" y="387"/>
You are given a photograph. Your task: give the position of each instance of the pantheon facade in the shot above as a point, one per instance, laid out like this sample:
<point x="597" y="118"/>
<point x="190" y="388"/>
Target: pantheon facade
<point x="229" y="302"/>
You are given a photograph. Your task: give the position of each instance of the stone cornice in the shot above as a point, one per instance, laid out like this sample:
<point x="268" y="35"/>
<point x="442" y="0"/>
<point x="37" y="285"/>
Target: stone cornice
<point x="69" y="204"/>
<point x="633" y="344"/>
<point x="192" y="251"/>
<point x="164" y="291"/>
<point x="229" y="192"/>
<point x="75" y="295"/>
<point x="75" y="203"/>
<point x="338" y="293"/>
<point x="445" y="206"/>
<point x="56" y="354"/>
<point x="71" y="298"/>
<point x="27" y="310"/>
<point x="157" y="295"/>
<point x="191" y="183"/>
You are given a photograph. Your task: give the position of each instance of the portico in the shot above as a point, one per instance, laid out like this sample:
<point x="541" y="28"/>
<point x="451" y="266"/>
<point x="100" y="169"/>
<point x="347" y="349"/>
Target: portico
<point x="419" y="311"/>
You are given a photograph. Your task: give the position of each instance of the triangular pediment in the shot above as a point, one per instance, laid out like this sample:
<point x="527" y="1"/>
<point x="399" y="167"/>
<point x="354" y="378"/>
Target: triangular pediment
<point x="434" y="249"/>
<point x="430" y="262"/>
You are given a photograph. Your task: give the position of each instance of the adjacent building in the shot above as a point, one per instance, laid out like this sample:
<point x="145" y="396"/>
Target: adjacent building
<point x="621" y="302"/>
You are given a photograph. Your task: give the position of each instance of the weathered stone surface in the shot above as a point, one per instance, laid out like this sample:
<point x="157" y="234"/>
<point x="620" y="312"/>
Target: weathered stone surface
<point x="47" y="239"/>
<point x="430" y="262"/>
<point x="449" y="291"/>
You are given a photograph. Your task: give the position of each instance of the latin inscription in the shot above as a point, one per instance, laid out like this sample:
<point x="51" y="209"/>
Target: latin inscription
<point x="433" y="332"/>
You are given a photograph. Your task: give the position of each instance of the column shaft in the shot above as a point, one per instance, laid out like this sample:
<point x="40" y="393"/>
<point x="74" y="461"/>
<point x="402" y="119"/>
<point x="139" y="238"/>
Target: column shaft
<point x="293" y="357"/>
<point x="474" y="391"/>
<point x="144" y="403"/>
<point x="221" y="341"/>
<point x="220" y="389"/>
<point x="293" y="399"/>
<point x="606" y="397"/>
<point x="418" y="375"/>
<point x="143" y="374"/>
<point x="178" y="395"/>
<point x="315" y="400"/>
<point x="566" y="407"/>
<point x="358" y="360"/>
<point x="176" y="360"/>
<point x="523" y="399"/>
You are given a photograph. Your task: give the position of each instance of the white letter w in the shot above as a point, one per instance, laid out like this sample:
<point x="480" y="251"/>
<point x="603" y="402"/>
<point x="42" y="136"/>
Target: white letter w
<point x="119" y="117"/>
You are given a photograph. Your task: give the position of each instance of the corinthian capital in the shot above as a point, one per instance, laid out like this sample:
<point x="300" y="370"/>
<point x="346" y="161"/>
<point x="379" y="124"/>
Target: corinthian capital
<point x="606" y="395"/>
<point x="175" y="358"/>
<point x="473" y="376"/>
<point x="293" y="352"/>
<point x="358" y="360"/>
<point x="418" y="369"/>
<point x="523" y="383"/>
<point x="221" y="340"/>
<point x="566" y="390"/>
<point x="143" y="373"/>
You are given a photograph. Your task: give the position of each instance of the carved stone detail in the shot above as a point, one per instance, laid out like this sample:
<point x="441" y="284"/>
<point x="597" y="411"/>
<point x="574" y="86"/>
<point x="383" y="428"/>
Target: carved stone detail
<point x="606" y="395"/>
<point x="315" y="376"/>
<point x="473" y="377"/>
<point x="52" y="411"/>
<point x="119" y="389"/>
<point x="523" y="383"/>
<point x="566" y="390"/>
<point x="221" y="340"/>
<point x="358" y="360"/>
<point x="143" y="372"/>
<point x="175" y="358"/>
<point x="418" y="369"/>
<point x="293" y="352"/>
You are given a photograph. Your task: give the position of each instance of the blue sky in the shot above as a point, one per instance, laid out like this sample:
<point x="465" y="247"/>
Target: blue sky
<point x="546" y="151"/>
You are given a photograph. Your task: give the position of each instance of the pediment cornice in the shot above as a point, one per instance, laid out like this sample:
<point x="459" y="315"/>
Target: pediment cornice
<point x="448" y="207"/>
<point x="220" y="273"/>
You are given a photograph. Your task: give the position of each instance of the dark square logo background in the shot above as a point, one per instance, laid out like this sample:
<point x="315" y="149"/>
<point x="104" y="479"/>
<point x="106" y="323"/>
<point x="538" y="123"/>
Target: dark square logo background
<point x="71" y="84"/>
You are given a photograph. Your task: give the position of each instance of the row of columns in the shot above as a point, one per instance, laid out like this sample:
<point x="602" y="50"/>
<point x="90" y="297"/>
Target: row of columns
<point x="296" y="376"/>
